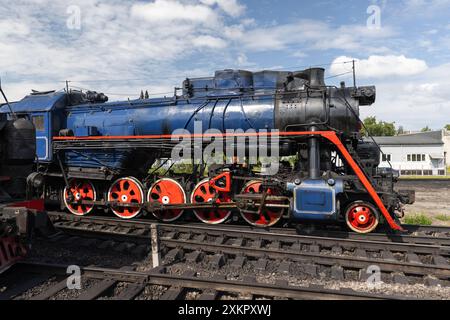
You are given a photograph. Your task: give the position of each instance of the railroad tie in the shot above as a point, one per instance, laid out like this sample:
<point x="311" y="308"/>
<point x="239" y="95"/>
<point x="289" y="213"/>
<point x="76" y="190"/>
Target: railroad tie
<point x="238" y="262"/>
<point x="440" y="261"/>
<point x="399" y="278"/>
<point x="387" y="255"/>
<point x="238" y="242"/>
<point x="159" y="270"/>
<point x="413" y="258"/>
<point x="220" y="240"/>
<point x="311" y="269"/>
<point x="97" y="290"/>
<point x="170" y="235"/>
<point x="337" y="272"/>
<point x="185" y="236"/>
<point x="249" y="279"/>
<point x="431" y="281"/>
<point x="141" y="232"/>
<point x="200" y="238"/>
<point x="195" y="257"/>
<point x="336" y="250"/>
<point x="218" y="261"/>
<point x="360" y="253"/>
<point x="285" y="267"/>
<point x="275" y="245"/>
<point x="209" y="295"/>
<point x="257" y="243"/>
<point x="50" y="292"/>
<point x="261" y="264"/>
<point x="173" y="293"/>
<point x="174" y="255"/>
<point x="130" y="292"/>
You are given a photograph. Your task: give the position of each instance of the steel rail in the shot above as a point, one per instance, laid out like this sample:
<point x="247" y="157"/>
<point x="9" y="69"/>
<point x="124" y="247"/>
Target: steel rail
<point x="218" y="284"/>
<point x="230" y="231"/>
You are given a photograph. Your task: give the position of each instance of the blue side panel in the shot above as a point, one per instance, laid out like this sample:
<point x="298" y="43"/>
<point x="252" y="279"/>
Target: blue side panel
<point x="315" y="200"/>
<point x="312" y="201"/>
<point x="96" y="158"/>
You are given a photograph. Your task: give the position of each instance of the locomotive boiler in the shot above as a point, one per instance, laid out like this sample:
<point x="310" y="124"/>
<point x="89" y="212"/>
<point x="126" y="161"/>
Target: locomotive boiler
<point x="97" y="155"/>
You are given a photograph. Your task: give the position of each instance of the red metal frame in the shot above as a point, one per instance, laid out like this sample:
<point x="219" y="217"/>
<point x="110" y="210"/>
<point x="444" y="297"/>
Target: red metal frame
<point x="10" y="252"/>
<point x="37" y="205"/>
<point x="329" y="135"/>
<point x="227" y="188"/>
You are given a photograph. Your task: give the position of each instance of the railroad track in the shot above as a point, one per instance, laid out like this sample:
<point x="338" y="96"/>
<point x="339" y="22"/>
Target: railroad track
<point x="48" y="281"/>
<point x="399" y="262"/>
<point x="432" y="235"/>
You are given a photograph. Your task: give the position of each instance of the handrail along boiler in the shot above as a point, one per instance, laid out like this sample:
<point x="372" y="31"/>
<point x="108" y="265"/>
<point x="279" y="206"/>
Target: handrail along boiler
<point x="98" y="155"/>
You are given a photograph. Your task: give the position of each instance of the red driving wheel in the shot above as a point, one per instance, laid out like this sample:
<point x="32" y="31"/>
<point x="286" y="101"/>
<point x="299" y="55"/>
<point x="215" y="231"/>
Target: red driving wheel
<point x="77" y="191"/>
<point x="362" y="217"/>
<point x="167" y="191"/>
<point x="268" y="217"/>
<point x="205" y="193"/>
<point x="127" y="191"/>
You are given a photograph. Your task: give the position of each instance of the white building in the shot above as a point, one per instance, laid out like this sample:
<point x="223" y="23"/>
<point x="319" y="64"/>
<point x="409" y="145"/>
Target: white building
<point x="417" y="154"/>
<point x="447" y="146"/>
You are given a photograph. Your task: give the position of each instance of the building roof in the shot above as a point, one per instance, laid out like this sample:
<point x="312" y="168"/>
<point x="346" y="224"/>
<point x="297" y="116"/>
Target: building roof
<point x="422" y="138"/>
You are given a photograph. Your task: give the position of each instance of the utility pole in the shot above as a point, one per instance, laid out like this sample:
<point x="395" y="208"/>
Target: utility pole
<point x="354" y="74"/>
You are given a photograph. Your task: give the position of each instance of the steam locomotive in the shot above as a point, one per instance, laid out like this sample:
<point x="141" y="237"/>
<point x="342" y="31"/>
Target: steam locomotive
<point x="96" y="155"/>
<point x="19" y="219"/>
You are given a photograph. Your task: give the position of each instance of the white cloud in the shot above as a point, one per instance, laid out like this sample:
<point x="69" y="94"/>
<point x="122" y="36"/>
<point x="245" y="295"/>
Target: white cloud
<point x="117" y="40"/>
<point x="380" y="66"/>
<point x="9" y="27"/>
<point x="210" y="42"/>
<point x="169" y="11"/>
<point x="315" y="35"/>
<point x="231" y="7"/>
<point x="415" y="101"/>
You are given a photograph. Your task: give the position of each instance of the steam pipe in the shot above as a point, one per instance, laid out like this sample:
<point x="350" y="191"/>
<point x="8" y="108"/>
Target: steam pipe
<point x="314" y="156"/>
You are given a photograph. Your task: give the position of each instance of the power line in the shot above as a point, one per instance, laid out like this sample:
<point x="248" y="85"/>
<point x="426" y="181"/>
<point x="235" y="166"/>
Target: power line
<point x="183" y="77"/>
<point x="339" y="75"/>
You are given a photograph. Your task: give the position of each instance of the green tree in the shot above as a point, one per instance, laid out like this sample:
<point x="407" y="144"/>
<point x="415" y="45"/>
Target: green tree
<point x="400" y="130"/>
<point x="378" y="128"/>
<point x="447" y="127"/>
<point x="426" y="129"/>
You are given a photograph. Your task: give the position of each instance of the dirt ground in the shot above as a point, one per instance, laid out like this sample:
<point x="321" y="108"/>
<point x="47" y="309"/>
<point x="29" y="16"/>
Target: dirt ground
<point x="432" y="199"/>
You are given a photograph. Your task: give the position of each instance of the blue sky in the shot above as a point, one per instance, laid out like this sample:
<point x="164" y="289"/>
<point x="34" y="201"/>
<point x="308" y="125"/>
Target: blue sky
<point x="121" y="47"/>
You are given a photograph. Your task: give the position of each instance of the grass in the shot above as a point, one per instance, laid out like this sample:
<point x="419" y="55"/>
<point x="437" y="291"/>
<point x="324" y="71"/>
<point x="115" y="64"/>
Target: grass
<point x="418" y="219"/>
<point x="442" y="217"/>
<point x="425" y="177"/>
